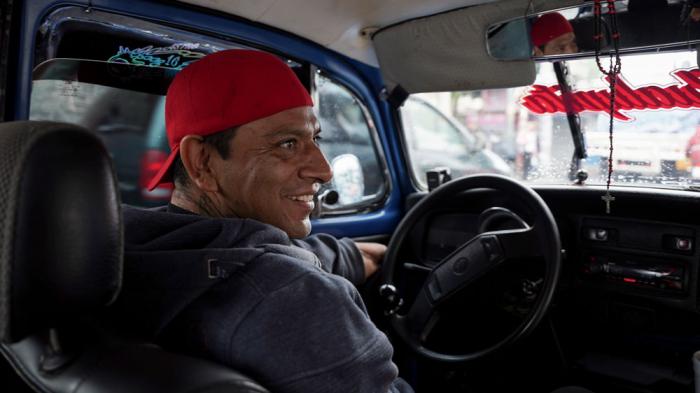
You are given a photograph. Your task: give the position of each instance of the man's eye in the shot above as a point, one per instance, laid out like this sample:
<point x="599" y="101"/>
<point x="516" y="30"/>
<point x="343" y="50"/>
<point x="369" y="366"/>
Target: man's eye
<point x="288" y="144"/>
<point x="317" y="139"/>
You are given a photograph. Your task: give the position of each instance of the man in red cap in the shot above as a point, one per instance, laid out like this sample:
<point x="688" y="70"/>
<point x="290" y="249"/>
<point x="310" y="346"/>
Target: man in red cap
<point x="552" y="34"/>
<point x="215" y="273"/>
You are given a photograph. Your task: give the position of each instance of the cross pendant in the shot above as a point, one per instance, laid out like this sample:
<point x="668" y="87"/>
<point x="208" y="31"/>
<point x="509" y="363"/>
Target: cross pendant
<point x="607" y="198"/>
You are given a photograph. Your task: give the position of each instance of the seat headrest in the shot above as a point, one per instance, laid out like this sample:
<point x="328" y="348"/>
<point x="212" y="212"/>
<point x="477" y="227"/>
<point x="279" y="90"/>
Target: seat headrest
<point x="60" y="227"/>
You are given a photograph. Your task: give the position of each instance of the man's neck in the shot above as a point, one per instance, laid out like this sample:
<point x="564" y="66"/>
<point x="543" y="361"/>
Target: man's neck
<point x="195" y="201"/>
<point x="177" y="209"/>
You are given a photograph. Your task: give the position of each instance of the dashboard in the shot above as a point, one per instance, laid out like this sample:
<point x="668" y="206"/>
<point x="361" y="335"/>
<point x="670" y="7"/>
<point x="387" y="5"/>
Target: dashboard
<point x="627" y="296"/>
<point x="647" y="247"/>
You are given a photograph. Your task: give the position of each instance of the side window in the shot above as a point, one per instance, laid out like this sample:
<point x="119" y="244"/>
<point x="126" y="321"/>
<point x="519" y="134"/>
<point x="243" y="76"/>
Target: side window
<point x="120" y="117"/>
<point x="349" y="145"/>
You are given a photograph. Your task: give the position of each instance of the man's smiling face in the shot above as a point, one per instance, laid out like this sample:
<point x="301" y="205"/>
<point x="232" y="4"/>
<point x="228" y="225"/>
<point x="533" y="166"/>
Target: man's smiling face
<point x="274" y="168"/>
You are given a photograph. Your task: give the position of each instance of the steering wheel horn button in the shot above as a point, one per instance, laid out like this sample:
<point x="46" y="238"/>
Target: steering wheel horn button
<point x="476" y="258"/>
<point x="460" y="266"/>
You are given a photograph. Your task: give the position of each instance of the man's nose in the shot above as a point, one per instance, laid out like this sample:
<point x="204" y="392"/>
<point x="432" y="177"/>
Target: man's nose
<point x="316" y="166"/>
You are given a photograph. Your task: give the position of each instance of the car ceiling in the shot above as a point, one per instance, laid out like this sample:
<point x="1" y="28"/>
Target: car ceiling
<point x="419" y="45"/>
<point x="335" y="24"/>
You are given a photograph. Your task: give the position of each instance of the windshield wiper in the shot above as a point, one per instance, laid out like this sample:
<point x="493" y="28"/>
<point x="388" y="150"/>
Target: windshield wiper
<point x="562" y="71"/>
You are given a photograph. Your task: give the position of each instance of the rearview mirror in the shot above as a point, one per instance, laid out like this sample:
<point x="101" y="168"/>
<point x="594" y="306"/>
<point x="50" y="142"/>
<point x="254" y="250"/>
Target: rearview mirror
<point x="569" y="32"/>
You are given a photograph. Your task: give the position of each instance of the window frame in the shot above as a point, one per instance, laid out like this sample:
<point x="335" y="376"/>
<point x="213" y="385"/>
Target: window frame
<point x="379" y="200"/>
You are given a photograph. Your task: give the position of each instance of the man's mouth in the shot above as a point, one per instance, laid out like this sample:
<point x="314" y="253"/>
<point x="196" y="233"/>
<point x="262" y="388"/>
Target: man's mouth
<point x="302" y="198"/>
<point x="304" y="201"/>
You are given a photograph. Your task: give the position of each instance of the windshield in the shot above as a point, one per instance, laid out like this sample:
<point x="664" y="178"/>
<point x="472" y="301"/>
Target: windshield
<point x="524" y="132"/>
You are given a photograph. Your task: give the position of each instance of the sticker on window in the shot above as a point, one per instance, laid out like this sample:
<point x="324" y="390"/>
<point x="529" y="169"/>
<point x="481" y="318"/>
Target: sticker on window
<point x="685" y="94"/>
<point x="176" y="56"/>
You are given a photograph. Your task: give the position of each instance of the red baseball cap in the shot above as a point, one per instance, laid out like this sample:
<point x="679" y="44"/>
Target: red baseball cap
<point x="548" y="27"/>
<point x="223" y="90"/>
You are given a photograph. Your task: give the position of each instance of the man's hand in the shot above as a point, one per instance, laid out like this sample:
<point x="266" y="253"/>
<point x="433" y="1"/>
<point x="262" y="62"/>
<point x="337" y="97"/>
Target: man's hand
<point x="372" y="255"/>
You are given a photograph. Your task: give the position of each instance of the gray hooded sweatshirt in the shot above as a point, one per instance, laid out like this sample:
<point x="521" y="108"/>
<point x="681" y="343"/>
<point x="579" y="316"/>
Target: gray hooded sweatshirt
<point x="241" y="293"/>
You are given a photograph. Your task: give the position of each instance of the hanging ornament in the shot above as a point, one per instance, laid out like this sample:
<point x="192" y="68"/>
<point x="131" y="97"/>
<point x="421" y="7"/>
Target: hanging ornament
<point x="611" y="74"/>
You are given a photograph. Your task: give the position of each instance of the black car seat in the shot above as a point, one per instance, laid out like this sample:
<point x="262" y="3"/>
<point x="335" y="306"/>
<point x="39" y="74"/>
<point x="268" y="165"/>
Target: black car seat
<point x="61" y="264"/>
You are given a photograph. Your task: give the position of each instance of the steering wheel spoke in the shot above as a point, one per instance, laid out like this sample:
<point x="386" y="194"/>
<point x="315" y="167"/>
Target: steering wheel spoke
<point x="518" y="243"/>
<point x="422" y="317"/>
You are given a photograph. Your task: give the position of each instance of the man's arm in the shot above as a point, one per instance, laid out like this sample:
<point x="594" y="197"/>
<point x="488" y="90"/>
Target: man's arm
<point x="314" y="335"/>
<point x="353" y="260"/>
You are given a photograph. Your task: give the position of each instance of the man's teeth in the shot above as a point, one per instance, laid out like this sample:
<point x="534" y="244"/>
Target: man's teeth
<point x="302" y="198"/>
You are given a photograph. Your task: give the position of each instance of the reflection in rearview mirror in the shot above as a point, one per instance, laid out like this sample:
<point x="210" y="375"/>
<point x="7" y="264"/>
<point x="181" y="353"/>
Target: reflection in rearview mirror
<point x="569" y="32"/>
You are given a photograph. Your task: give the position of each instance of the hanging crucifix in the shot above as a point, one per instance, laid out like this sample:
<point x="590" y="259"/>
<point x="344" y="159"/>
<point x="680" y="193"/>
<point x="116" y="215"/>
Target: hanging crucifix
<point x="611" y="75"/>
<point x="608" y="198"/>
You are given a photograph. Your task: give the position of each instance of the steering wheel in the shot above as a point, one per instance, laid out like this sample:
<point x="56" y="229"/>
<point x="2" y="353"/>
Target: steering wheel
<point x="469" y="262"/>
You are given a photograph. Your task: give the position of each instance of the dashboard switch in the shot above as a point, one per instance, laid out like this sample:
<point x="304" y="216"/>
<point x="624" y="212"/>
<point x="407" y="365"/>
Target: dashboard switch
<point x="598" y="234"/>
<point x="683" y="243"/>
<point x="679" y="243"/>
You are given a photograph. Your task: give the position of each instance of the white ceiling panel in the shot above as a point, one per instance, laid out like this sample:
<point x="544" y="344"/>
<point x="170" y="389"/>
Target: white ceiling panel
<point x="335" y="24"/>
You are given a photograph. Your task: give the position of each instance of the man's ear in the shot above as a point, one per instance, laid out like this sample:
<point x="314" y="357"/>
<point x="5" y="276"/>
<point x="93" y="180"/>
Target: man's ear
<point x="196" y="158"/>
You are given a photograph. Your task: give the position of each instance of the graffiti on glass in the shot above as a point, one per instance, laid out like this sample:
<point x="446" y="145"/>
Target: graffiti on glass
<point x="177" y="56"/>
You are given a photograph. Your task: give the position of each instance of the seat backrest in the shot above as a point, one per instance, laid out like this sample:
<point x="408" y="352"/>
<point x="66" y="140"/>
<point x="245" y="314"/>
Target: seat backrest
<point x="61" y="263"/>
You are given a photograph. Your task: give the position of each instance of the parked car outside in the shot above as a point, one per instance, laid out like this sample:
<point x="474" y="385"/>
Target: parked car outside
<point x="435" y="139"/>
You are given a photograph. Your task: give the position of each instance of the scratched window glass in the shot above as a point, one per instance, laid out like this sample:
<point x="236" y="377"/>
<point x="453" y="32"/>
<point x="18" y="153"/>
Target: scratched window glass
<point x="524" y="132"/>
